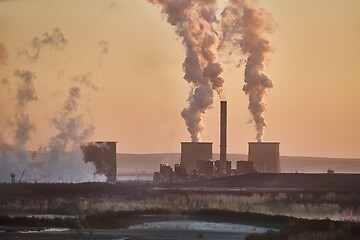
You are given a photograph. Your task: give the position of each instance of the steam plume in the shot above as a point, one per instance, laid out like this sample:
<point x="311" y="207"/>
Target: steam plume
<point x="104" y="47"/>
<point x="3" y="54"/>
<point x="64" y="155"/>
<point x="193" y="21"/>
<point x="54" y="40"/>
<point x="61" y="160"/>
<point x="25" y="94"/>
<point x="69" y="122"/>
<point x="245" y="26"/>
<point x="92" y="148"/>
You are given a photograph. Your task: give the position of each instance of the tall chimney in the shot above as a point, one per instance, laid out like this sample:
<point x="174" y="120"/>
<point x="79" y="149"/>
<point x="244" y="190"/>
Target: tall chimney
<point x="12" y="177"/>
<point x="223" y="137"/>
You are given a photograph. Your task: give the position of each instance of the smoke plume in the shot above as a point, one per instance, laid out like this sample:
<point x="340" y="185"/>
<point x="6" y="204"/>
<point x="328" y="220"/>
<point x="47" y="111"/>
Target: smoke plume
<point x="3" y="55"/>
<point x="25" y="94"/>
<point x="69" y="122"/>
<point x="104" y="47"/>
<point x="61" y="160"/>
<point x="54" y="40"/>
<point x="63" y="154"/>
<point x="91" y="151"/>
<point x="244" y="26"/>
<point x="193" y="21"/>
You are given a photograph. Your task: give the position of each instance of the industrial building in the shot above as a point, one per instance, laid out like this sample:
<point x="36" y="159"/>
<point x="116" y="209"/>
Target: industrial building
<point x="165" y="174"/>
<point x="205" y="168"/>
<point x="220" y="170"/>
<point x="243" y="167"/>
<point x="192" y="152"/>
<point x="265" y="156"/>
<point x="103" y="155"/>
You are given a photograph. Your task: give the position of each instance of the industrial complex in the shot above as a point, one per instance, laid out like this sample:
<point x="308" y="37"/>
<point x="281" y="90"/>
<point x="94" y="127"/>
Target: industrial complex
<point x="197" y="158"/>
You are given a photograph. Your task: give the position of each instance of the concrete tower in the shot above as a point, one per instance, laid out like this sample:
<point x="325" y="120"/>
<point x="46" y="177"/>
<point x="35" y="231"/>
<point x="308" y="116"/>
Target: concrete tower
<point x="192" y="152"/>
<point x="266" y="156"/>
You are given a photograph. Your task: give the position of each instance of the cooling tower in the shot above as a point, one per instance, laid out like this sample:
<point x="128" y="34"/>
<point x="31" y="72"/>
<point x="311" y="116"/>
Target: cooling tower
<point x="266" y="156"/>
<point x="192" y="152"/>
<point x="103" y="155"/>
<point x="223" y="137"/>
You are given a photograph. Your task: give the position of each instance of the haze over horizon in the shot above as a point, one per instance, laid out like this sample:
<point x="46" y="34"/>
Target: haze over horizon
<point x="129" y="61"/>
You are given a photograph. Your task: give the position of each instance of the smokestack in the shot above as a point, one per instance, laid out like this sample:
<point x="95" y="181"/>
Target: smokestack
<point x="12" y="177"/>
<point x="223" y="106"/>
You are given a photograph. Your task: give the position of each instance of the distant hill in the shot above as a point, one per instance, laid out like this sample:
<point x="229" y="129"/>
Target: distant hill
<point x="150" y="163"/>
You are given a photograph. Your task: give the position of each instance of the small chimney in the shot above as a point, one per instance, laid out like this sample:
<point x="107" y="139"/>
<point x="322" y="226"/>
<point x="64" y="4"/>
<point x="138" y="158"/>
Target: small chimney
<point x="223" y="106"/>
<point x="12" y="177"/>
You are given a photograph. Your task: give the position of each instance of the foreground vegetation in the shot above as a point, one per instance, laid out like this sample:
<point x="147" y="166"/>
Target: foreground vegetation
<point x="336" y="206"/>
<point x="289" y="227"/>
<point x="297" y="214"/>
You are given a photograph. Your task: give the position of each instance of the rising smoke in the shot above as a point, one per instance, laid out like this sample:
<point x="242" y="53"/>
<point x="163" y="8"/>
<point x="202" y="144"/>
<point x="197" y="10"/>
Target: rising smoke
<point x="25" y="94"/>
<point x="193" y="20"/>
<point x="69" y="122"/>
<point x="244" y="26"/>
<point x="104" y="47"/>
<point x="54" y="40"/>
<point x="63" y="156"/>
<point x="13" y="156"/>
<point x="3" y="55"/>
<point x="61" y="160"/>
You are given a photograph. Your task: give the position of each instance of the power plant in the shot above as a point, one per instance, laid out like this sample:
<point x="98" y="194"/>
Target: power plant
<point x="197" y="157"/>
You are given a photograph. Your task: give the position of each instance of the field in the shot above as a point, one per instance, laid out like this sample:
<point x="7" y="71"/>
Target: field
<point x="292" y="204"/>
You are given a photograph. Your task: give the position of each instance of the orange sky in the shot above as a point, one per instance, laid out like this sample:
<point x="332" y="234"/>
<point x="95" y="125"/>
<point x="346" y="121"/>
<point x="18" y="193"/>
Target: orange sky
<point x="313" y="109"/>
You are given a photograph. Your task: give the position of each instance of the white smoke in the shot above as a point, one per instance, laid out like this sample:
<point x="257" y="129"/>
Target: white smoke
<point x="104" y="47"/>
<point x="193" y="21"/>
<point x="25" y="94"/>
<point x="245" y="26"/>
<point x="62" y="159"/>
<point x="54" y="40"/>
<point x="3" y="55"/>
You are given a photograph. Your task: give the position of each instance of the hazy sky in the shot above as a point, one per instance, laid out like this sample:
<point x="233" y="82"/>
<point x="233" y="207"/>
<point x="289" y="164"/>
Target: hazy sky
<point x="313" y="109"/>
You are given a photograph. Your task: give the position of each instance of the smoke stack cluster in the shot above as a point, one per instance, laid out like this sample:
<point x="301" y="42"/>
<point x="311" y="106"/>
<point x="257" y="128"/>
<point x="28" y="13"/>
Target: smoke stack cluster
<point x="242" y="30"/>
